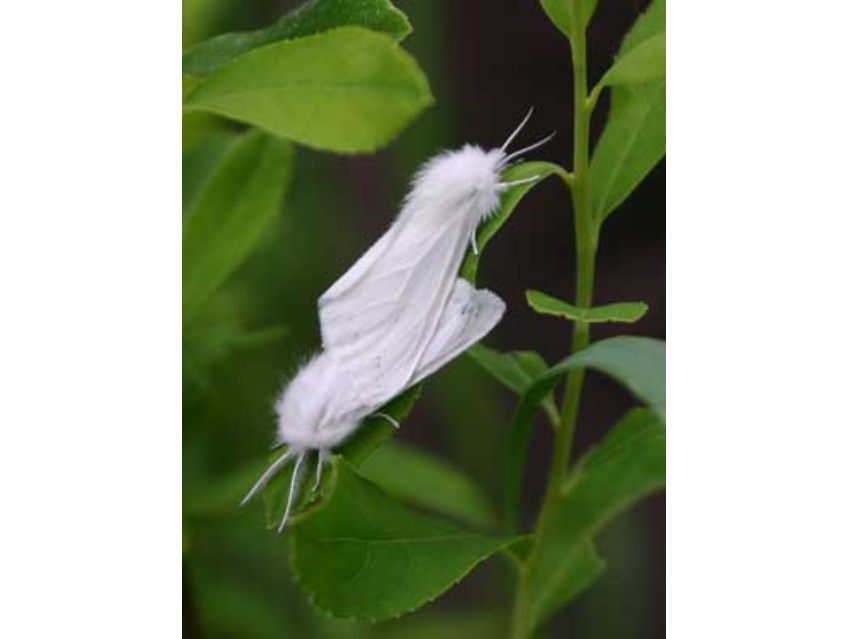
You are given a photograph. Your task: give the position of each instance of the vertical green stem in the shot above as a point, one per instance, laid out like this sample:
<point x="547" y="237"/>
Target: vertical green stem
<point x="586" y="236"/>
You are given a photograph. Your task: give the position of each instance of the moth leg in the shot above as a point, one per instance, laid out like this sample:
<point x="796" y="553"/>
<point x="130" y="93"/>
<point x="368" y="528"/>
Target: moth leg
<point x="294" y="487"/>
<point x="268" y="474"/>
<point x="473" y="244"/>
<point x="517" y="182"/>
<point x="393" y="421"/>
<point x="322" y="455"/>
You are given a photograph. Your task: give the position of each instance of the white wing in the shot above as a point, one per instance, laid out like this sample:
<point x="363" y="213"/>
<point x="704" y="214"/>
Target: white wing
<point x="469" y="316"/>
<point x="380" y="317"/>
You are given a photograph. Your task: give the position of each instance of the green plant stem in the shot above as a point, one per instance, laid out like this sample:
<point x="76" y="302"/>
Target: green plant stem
<point x="586" y="236"/>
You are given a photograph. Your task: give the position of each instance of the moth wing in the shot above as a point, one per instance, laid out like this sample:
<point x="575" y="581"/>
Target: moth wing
<point x="381" y="316"/>
<point x="349" y="281"/>
<point x="469" y="316"/>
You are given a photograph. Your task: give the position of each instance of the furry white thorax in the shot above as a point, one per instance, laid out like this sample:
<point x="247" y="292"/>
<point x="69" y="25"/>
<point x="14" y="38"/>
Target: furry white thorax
<point x="461" y="182"/>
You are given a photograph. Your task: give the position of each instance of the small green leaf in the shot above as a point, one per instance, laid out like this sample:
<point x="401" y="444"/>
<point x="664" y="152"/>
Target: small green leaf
<point x="637" y="362"/>
<point x="627" y="465"/>
<point x="646" y="61"/>
<point x="424" y="480"/>
<point x="634" y="138"/>
<point x="621" y="312"/>
<point x="561" y="15"/>
<point x="348" y="90"/>
<point x="312" y="17"/>
<point x="230" y="214"/>
<point x="371" y="434"/>
<point x="510" y="199"/>
<point x="516" y="370"/>
<point x="363" y="554"/>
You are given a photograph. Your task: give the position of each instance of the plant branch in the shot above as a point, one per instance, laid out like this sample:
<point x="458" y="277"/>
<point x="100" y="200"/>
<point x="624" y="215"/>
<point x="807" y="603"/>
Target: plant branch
<point x="586" y="237"/>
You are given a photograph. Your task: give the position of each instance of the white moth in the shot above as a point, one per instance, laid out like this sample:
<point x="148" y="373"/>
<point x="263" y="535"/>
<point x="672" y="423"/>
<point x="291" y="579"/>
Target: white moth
<point x="399" y="313"/>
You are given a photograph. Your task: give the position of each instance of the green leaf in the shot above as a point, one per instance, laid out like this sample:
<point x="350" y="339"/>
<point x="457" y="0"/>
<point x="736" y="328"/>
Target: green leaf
<point x="231" y="212"/>
<point x="375" y="431"/>
<point x="637" y="362"/>
<point x="365" y="555"/>
<point x="647" y="25"/>
<point x="560" y="14"/>
<point x="621" y="312"/>
<point x="634" y="138"/>
<point x="424" y="480"/>
<point x="200" y="161"/>
<point x="646" y="61"/>
<point x="371" y="434"/>
<point x="627" y="465"/>
<point x="508" y="202"/>
<point x="347" y="90"/>
<point x="518" y="441"/>
<point x="580" y="570"/>
<point x="516" y="370"/>
<point x="312" y="17"/>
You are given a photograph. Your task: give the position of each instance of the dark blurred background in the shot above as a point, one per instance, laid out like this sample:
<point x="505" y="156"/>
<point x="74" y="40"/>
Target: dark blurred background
<point x="487" y="63"/>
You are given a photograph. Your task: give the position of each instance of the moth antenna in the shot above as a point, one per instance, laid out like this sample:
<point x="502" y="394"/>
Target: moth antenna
<point x="517" y="182"/>
<point x="393" y="421"/>
<point x="268" y="474"/>
<point x="294" y="485"/>
<point x="511" y="156"/>
<point x="503" y="167"/>
<point x="518" y="130"/>
<point x="321" y="456"/>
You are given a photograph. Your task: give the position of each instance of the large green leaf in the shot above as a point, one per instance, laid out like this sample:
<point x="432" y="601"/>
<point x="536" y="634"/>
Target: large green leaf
<point x="646" y="61"/>
<point x="231" y="212"/>
<point x="637" y="362"/>
<point x="509" y="200"/>
<point x="634" y="138"/>
<point x="627" y="465"/>
<point x="200" y="160"/>
<point x="347" y="90"/>
<point x="363" y="554"/>
<point x="415" y="476"/>
<point x="516" y="370"/>
<point x="561" y="14"/>
<point x="315" y="16"/>
<point x="620" y="312"/>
